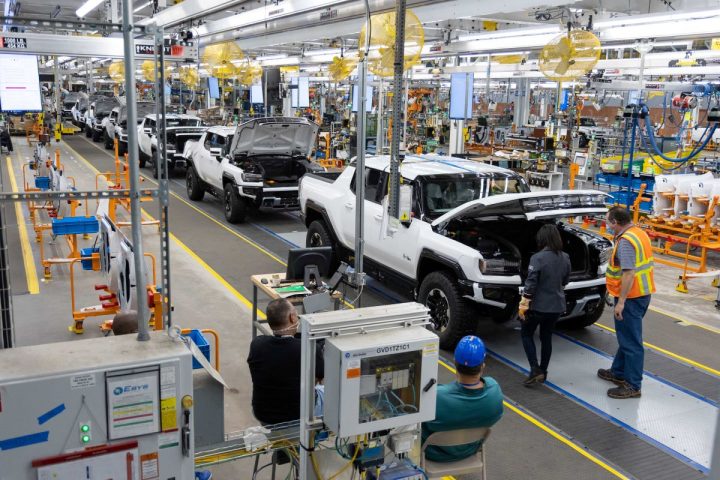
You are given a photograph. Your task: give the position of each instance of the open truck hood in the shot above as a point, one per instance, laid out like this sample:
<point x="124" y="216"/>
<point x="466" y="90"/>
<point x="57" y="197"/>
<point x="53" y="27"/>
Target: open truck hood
<point x="531" y="205"/>
<point x="275" y="136"/>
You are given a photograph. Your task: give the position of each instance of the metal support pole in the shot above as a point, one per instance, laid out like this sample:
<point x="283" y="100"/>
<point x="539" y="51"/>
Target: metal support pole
<point x="487" y="83"/>
<point x="7" y="326"/>
<point x="163" y="184"/>
<point x="633" y="132"/>
<point x="406" y="90"/>
<point x="360" y="171"/>
<point x="265" y="96"/>
<point x="134" y="166"/>
<point x="397" y="106"/>
<point x="380" y="137"/>
<point x="58" y="93"/>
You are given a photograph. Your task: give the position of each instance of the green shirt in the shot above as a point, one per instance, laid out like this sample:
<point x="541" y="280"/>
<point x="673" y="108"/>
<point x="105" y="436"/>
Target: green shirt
<point x="459" y="407"/>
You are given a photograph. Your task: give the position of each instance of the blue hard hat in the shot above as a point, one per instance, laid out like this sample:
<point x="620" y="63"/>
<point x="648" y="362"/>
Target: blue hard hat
<point x="470" y="351"/>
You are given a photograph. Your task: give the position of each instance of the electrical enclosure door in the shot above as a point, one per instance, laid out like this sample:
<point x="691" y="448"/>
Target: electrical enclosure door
<point x="380" y="380"/>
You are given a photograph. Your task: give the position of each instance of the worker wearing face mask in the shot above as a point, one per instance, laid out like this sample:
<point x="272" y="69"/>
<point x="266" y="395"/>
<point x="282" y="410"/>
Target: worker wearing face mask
<point x="629" y="279"/>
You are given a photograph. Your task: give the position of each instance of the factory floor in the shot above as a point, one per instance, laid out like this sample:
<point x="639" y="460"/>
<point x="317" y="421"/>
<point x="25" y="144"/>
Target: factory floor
<point x="566" y="429"/>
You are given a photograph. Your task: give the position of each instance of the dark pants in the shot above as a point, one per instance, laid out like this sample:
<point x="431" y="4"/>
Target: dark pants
<point x="546" y="321"/>
<point x="630" y="356"/>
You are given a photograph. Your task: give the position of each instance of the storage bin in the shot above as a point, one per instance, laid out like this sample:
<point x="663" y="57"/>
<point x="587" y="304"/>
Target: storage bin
<point x="87" y="252"/>
<point x="75" y="225"/>
<point x="199" y="339"/>
<point x="43" y="183"/>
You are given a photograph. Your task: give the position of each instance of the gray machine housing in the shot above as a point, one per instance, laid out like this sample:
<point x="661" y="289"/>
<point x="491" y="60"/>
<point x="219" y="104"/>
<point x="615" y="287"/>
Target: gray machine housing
<point x="55" y="388"/>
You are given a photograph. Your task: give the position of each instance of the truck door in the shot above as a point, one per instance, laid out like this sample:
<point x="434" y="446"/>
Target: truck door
<point x="374" y="179"/>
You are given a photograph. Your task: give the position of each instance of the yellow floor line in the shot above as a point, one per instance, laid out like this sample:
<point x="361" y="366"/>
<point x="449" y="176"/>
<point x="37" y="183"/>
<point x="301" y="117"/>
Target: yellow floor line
<point x="689" y="322"/>
<point x="555" y="434"/>
<point x="245" y="239"/>
<point x="670" y="354"/>
<point x="247" y="303"/>
<point x="28" y="260"/>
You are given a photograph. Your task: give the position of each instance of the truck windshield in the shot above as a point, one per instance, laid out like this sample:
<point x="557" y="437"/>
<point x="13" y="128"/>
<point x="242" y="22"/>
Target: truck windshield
<point x="443" y="193"/>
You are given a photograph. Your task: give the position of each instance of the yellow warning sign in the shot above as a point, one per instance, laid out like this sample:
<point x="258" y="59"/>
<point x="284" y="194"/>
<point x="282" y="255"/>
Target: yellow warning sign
<point x="168" y="410"/>
<point x="715" y="44"/>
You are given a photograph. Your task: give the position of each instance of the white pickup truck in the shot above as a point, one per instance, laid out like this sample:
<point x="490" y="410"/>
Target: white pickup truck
<point x="179" y="129"/>
<point x="468" y="242"/>
<point x="254" y="166"/>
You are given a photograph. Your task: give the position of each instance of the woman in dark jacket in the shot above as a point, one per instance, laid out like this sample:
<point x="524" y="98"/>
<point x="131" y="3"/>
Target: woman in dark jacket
<point x="543" y="299"/>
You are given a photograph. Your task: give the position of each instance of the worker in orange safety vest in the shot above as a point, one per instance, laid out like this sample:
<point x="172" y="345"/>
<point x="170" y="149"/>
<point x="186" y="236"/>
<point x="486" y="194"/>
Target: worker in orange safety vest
<point x="629" y="279"/>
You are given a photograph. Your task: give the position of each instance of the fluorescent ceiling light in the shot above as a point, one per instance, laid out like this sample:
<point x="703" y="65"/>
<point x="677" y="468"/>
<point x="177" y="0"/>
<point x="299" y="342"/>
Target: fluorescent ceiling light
<point x="515" y="32"/>
<point x="524" y="41"/>
<point x="329" y="51"/>
<point x="319" y="58"/>
<point x="144" y="5"/>
<point x="278" y="56"/>
<point x="280" y="62"/>
<point x="677" y="43"/>
<point x="707" y="26"/>
<point x="87" y="7"/>
<point x="644" y="19"/>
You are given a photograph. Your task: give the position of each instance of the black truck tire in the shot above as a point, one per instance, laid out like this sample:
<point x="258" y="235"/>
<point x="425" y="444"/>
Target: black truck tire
<point x="453" y="316"/>
<point x="235" y="207"/>
<point x="109" y="144"/>
<point x="194" y="186"/>
<point x="142" y="158"/>
<point x="318" y="235"/>
<point x="88" y="132"/>
<point x="95" y="136"/>
<point x="585" y="320"/>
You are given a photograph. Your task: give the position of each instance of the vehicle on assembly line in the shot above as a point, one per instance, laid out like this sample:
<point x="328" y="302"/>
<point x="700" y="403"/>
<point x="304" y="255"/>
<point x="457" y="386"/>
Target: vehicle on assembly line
<point x="179" y="129"/>
<point x="117" y="128"/>
<point x="98" y="111"/>
<point x="465" y="250"/>
<point x="78" y="109"/>
<point x="68" y="102"/>
<point x="256" y="165"/>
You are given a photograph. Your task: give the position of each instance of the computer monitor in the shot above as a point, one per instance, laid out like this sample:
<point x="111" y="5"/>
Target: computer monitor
<point x="304" y="263"/>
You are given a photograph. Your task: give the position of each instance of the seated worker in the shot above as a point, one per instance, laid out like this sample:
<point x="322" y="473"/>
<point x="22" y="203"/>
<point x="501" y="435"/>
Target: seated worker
<point x="274" y="362"/>
<point x="470" y="402"/>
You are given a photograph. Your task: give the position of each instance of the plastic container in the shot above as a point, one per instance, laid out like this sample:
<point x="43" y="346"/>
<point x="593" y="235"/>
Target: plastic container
<point x="202" y="343"/>
<point x="87" y="252"/>
<point x="75" y="225"/>
<point x="43" y="183"/>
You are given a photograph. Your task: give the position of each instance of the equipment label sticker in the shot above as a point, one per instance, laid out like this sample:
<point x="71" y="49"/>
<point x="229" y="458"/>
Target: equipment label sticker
<point x="353" y="368"/>
<point x="149" y="466"/>
<point x="83" y="380"/>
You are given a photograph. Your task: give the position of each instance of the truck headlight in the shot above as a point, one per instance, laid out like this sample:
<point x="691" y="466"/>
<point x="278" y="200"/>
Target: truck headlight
<point x="252" y="177"/>
<point x="604" y="256"/>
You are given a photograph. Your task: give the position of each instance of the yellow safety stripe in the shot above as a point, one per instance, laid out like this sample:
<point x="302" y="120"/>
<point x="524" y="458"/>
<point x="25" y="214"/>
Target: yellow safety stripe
<point x="636" y="244"/>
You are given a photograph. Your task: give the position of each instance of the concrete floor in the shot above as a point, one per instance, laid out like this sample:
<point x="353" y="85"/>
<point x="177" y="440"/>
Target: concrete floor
<point x="211" y="263"/>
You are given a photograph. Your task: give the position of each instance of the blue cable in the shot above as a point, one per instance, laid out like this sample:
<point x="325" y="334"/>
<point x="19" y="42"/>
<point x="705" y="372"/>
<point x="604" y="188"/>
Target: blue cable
<point x="651" y="137"/>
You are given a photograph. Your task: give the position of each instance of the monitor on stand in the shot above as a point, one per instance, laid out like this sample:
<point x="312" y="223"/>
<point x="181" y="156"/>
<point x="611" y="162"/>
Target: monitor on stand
<point x="309" y="265"/>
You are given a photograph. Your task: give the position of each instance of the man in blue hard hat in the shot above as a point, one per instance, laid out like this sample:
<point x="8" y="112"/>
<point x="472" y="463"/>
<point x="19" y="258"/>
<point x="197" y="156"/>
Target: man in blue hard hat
<point x="469" y="402"/>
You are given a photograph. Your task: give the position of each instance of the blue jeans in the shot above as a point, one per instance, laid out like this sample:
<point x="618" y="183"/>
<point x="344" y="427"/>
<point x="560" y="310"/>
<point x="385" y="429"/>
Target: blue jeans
<point x="628" y="362"/>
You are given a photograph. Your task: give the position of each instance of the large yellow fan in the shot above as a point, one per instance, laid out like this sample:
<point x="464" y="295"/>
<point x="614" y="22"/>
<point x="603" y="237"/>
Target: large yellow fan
<point x="382" y="42"/>
<point x="148" y="70"/>
<point x="569" y="56"/>
<point x="249" y="73"/>
<point x="189" y="77"/>
<point x="222" y="59"/>
<point x="116" y="71"/>
<point x="341" y="68"/>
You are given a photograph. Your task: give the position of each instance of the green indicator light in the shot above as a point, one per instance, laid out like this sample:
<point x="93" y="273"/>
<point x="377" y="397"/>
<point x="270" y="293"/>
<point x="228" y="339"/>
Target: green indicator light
<point x="85" y="428"/>
<point x="85" y="438"/>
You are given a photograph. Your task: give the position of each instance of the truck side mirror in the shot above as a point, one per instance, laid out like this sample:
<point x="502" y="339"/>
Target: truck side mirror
<point x="216" y="152"/>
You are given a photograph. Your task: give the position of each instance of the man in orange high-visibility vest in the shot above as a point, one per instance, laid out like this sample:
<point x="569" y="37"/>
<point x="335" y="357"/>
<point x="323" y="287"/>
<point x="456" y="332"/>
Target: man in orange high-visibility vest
<point x="629" y="278"/>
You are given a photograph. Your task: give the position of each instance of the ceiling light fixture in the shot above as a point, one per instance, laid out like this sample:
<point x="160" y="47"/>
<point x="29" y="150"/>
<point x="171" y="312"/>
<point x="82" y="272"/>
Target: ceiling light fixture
<point x="87" y="7"/>
<point x="144" y="5"/>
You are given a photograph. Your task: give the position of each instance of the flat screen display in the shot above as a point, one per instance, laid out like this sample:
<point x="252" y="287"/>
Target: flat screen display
<point x="256" y="94"/>
<point x="213" y="87"/>
<point x="461" y="96"/>
<point x="368" y="98"/>
<point x="294" y="92"/>
<point x="303" y="92"/>
<point x="19" y="83"/>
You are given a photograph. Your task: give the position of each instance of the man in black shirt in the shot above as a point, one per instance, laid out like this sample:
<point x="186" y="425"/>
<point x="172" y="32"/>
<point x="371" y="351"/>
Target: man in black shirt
<point x="274" y="362"/>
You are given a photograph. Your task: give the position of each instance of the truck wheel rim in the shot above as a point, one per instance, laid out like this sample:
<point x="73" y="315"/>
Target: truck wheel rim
<point x="439" y="307"/>
<point x="227" y="202"/>
<point x="189" y="182"/>
<point x="316" y="240"/>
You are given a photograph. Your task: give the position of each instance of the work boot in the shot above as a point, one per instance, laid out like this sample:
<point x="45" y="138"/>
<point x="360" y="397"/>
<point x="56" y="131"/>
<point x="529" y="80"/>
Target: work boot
<point x="535" y="376"/>
<point x="607" y="374"/>
<point x="623" y="391"/>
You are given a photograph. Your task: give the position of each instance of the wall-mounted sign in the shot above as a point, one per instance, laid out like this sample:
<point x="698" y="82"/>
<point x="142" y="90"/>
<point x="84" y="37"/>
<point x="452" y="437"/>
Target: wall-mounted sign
<point x="15" y="43"/>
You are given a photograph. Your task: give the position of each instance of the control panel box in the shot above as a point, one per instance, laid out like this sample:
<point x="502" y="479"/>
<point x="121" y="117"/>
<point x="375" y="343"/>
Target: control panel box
<point x="97" y="409"/>
<point x="380" y="380"/>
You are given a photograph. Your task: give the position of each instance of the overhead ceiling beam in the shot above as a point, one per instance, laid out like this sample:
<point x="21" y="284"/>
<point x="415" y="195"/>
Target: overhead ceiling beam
<point x="188" y="10"/>
<point x="254" y="29"/>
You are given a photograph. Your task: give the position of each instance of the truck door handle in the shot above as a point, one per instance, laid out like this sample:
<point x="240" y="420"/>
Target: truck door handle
<point x="378" y="217"/>
<point x="349" y="205"/>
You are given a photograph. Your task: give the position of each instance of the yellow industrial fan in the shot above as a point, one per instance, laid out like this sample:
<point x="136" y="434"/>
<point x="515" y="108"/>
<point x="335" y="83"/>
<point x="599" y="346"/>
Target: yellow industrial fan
<point x="116" y="71"/>
<point x="222" y="59"/>
<point x="382" y="42"/>
<point x="249" y="73"/>
<point x="190" y="77"/>
<point x="341" y="68"/>
<point x="148" y="70"/>
<point x="569" y="56"/>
